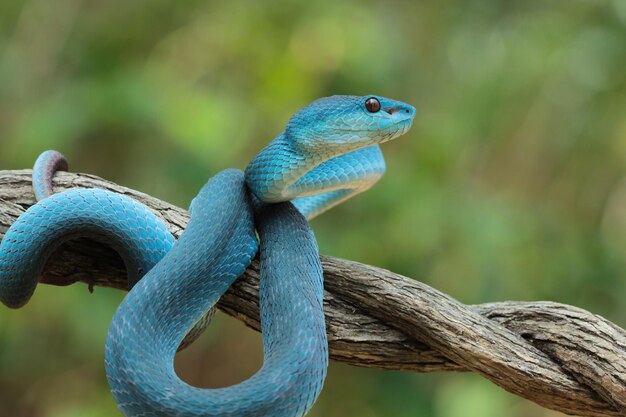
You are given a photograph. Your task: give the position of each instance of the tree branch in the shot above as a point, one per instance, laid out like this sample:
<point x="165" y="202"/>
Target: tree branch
<point x="558" y="356"/>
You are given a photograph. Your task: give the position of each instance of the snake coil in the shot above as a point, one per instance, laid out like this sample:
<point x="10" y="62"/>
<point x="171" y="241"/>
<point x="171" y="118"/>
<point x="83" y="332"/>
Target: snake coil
<point x="328" y="153"/>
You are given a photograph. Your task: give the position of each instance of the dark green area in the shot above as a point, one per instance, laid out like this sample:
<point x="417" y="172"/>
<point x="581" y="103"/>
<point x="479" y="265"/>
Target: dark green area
<point x="510" y="186"/>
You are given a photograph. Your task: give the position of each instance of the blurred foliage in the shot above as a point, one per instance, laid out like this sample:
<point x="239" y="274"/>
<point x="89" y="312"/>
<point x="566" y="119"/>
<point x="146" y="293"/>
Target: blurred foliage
<point x="510" y="185"/>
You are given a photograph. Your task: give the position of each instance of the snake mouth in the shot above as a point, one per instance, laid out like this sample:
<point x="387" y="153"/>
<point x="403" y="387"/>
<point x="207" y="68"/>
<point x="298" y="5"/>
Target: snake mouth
<point x="398" y="128"/>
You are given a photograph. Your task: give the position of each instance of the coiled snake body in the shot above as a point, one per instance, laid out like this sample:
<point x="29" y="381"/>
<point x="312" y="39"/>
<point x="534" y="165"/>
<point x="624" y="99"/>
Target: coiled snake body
<point x="327" y="153"/>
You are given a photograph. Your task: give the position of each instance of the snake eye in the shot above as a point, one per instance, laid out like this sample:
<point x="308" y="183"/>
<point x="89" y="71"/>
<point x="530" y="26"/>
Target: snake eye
<point x="372" y="105"/>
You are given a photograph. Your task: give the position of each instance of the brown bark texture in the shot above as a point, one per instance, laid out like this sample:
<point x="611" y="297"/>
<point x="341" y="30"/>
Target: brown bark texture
<point x="559" y="356"/>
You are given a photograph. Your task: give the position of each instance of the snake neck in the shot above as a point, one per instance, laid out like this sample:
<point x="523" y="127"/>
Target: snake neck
<point x="277" y="167"/>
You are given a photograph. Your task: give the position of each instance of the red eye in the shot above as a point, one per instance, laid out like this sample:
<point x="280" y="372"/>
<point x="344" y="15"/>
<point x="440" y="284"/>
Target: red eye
<point x="372" y="105"/>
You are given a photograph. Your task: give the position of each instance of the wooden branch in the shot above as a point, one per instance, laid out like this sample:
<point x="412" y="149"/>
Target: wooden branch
<point x="558" y="356"/>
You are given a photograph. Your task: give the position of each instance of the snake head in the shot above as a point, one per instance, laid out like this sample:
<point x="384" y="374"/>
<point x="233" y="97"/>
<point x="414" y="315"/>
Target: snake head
<point x="340" y="124"/>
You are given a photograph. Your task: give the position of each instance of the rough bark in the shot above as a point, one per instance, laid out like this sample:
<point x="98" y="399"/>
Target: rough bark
<point x="558" y="356"/>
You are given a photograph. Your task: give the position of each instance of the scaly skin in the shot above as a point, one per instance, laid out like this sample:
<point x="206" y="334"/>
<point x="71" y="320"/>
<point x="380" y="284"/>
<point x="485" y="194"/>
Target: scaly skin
<point x="328" y="152"/>
<point x="48" y="163"/>
<point x="137" y="235"/>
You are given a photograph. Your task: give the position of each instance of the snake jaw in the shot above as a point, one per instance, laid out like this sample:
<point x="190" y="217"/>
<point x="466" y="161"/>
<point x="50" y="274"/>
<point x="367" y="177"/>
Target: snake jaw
<point x="401" y="128"/>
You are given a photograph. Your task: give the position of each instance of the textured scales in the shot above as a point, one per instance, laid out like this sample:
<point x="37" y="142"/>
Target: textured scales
<point x="128" y="226"/>
<point x="328" y="152"/>
<point x="46" y="165"/>
<point x="288" y="250"/>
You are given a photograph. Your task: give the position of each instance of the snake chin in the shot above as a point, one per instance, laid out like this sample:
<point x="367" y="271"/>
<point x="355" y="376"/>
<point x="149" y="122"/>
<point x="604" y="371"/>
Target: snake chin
<point x="399" y="129"/>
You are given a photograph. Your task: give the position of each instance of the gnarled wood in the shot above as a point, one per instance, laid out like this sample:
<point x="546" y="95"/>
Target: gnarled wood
<point x="559" y="356"/>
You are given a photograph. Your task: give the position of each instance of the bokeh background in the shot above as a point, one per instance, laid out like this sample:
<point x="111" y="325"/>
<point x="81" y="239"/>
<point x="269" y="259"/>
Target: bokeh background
<point x="510" y="186"/>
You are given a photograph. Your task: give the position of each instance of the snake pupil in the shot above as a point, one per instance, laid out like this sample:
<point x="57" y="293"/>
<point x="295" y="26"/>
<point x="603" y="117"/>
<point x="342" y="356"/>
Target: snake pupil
<point x="372" y="105"/>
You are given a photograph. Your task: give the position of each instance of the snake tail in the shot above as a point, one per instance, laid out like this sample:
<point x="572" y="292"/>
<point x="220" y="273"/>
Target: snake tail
<point x="46" y="165"/>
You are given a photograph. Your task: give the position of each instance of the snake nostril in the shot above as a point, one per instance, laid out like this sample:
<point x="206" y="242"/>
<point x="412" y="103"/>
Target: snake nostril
<point x="394" y="110"/>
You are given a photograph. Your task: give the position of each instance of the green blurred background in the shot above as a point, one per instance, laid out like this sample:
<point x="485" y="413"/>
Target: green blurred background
<point x="510" y="186"/>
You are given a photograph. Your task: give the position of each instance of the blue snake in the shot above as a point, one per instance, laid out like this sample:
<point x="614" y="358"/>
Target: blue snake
<point x="328" y="152"/>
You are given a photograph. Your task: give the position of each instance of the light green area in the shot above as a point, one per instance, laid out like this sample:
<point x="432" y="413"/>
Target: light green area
<point x="509" y="186"/>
